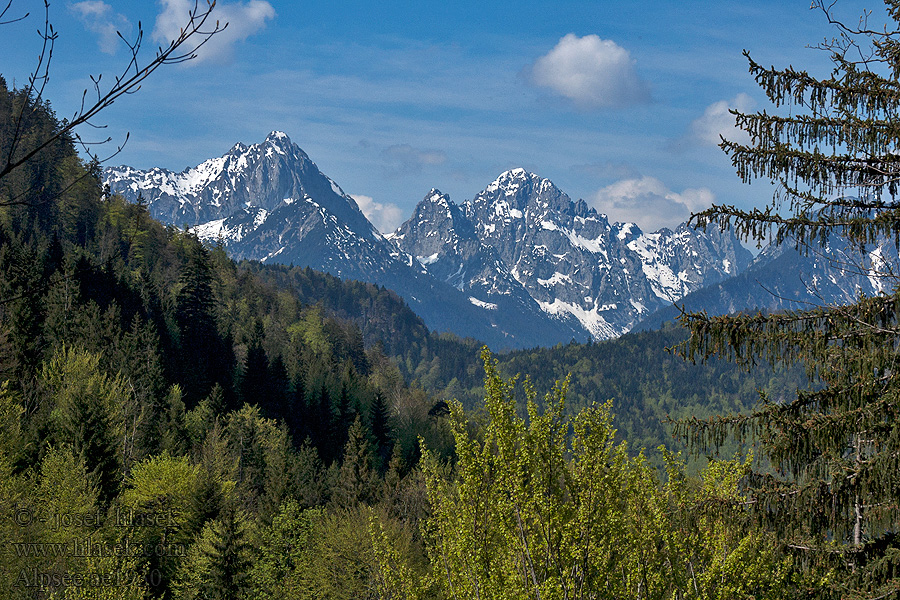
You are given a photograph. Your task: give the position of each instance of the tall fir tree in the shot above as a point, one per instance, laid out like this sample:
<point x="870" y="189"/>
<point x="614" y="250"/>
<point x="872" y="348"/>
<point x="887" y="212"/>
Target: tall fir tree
<point x="356" y="483"/>
<point x="202" y="352"/>
<point x="834" y="497"/>
<point x="381" y="431"/>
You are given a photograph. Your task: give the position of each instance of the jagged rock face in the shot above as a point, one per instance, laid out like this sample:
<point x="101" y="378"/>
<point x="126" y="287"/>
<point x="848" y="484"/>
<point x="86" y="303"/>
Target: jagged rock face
<point x="518" y="265"/>
<point x="443" y="240"/>
<point x="680" y="262"/>
<point x="248" y="181"/>
<point x="523" y="237"/>
<point x="264" y="201"/>
<point x="270" y="202"/>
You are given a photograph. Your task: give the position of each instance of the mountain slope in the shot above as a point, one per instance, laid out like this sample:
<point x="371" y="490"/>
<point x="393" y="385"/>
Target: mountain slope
<point x="784" y="278"/>
<point x="270" y="202"/>
<point x="523" y="241"/>
<point x="518" y="265"/>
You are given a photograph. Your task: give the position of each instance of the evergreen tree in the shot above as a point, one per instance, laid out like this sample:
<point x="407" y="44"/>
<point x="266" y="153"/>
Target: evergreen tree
<point x="835" y="495"/>
<point x="218" y="565"/>
<point x="357" y="481"/>
<point x="378" y="425"/>
<point x="254" y="382"/>
<point x="196" y="319"/>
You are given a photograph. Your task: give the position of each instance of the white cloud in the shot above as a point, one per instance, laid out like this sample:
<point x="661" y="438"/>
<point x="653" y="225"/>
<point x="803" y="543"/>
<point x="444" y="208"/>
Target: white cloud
<point x="717" y="121"/>
<point x="592" y="72"/>
<point x="649" y="203"/>
<point x="385" y="217"/>
<point x="403" y="159"/>
<point x="243" y="19"/>
<point x="99" y="17"/>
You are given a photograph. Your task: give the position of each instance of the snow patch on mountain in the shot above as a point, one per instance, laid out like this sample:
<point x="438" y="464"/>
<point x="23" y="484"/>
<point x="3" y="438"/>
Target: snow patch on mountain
<point x="482" y="304"/>
<point x="592" y="320"/>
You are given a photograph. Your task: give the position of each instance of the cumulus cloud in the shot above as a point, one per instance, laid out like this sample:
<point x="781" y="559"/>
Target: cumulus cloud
<point x="592" y="72"/>
<point x="649" y="203"/>
<point x="386" y="217"/>
<point x="403" y="159"/>
<point x="98" y="17"/>
<point x="243" y="19"/>
<point x="717" y="121"/>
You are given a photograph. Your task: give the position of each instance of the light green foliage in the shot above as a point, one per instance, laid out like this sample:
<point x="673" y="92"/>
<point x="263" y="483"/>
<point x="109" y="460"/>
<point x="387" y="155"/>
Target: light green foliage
<point x="262" y="451"/>
<point x="88" y="414"/>
<point x="336" y="560"/>
<point x="13" y="488"/>
<point x="161" y="483"/>
<point x="310" y="332"/>
<point x="353" y="554"/>
<point x="550" y="507"/>
<point x="156" y="513"/>
<point x="173" y="431"/>
<point x="67" y="535"/>
<point x="284" y="553"/>
<point x="394" y="579"/>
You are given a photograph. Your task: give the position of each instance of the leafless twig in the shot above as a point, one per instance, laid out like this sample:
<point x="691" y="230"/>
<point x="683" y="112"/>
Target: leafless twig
<point x="196" y="32"/>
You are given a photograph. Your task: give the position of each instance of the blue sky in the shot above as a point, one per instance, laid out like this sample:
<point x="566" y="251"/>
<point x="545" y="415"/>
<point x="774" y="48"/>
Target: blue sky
<point x="617" y="102"/>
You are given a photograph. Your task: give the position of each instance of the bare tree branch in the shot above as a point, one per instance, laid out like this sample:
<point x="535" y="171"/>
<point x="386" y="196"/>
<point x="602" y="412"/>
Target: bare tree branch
<point x="196" y="32"/>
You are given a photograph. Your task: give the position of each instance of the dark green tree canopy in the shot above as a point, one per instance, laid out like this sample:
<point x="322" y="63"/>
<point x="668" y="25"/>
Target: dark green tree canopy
<point x="834" y="154"/>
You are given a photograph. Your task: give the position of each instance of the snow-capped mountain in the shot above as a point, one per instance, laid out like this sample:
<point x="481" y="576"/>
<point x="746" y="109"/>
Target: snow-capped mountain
<point x="268" y="198"/>
<point x="782" y="277"/>
<point x="518" y="265"/>
<point x="270" y="202"/>
<point x="522" y="238"/>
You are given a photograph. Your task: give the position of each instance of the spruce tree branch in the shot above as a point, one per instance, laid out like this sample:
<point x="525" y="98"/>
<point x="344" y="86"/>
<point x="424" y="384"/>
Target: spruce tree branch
<point x="805" y="130"/>
<point x="855" y="91"/>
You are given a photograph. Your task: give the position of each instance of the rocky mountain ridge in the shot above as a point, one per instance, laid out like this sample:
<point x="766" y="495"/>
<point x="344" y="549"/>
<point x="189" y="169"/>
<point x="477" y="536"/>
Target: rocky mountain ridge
<point x="523" y="237"/>
<point x="788" y="277"/>
<point x="518" y="265"/>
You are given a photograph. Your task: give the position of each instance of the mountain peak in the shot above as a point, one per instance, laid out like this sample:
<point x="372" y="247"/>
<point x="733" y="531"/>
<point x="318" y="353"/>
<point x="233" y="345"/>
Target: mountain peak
<point x="436" y="196"/>
<point x="512" y="175"/>
<point x="513" y="180"/>
<point x="278" y="137"/>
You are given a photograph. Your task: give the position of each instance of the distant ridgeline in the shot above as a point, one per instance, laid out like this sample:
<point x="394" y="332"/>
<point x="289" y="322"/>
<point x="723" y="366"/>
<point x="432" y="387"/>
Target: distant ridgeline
<point x="520" y="265"/>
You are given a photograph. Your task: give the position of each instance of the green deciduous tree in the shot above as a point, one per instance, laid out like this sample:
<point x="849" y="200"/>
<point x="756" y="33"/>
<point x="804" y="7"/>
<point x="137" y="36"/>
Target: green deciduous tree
<point x="551" y="507"/>
<point x="834" y="498"/>
<point x="87" y="414"/>
<point x="155" y="514"/>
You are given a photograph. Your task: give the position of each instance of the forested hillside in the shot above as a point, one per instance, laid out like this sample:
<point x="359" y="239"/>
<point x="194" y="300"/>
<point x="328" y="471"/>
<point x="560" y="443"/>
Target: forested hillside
<point x="145" y="372"/>
<point x="646" y="381"/>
